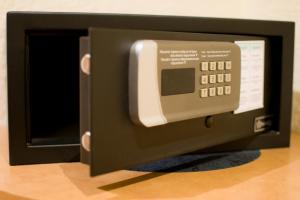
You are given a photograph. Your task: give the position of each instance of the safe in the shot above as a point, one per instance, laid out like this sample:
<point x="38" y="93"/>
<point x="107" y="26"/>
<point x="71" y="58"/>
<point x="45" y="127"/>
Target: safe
<point x="115" y="91"/>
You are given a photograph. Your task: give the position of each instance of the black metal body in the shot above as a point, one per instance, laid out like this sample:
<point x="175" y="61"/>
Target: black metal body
<point x="23" y="29"/>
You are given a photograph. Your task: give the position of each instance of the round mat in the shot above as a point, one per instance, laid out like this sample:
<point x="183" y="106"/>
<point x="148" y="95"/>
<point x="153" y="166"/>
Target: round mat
<point x="200" y="162"/>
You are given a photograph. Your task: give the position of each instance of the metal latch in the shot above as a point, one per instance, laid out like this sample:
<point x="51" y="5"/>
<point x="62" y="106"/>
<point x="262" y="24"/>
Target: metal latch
<point x="263" y="123"/>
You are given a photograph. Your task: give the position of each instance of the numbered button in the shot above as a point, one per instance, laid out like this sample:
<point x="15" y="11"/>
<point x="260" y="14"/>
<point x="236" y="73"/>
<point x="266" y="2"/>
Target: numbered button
<point x="220" y="91"/>
<point x="228" y="65"/>
<point x="204" y="93"/>
<point x="204" y="79"/>
<point x="204" y="66"/>
<point x="227" y="90"/>
<point x="212" y="92"/>
<point x="220" y="78"/>
<point x="212" y="66"/>
<point x="221" y="65"/>
<point x="227" y="77"/>
<point x="212" y="78"/>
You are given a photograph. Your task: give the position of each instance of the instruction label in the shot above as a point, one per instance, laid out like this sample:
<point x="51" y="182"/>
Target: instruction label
<point x="252" y="75"/>
<point x="178" y="57"/>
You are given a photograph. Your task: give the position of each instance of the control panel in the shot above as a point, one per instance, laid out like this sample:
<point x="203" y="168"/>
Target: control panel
<point x="178" y="80"/>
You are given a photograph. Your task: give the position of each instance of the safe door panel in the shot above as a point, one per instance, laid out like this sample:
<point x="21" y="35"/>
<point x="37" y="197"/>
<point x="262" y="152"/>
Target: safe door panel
<point x="116" y="142"/>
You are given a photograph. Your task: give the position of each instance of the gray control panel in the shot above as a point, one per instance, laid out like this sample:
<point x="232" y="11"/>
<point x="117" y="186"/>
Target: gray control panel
<point x="177" y="80"/>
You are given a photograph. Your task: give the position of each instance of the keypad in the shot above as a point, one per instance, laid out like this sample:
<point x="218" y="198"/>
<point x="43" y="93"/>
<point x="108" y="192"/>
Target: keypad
<point x="204" y="92"/>
<point x="221" y="65"/>
<point x="212" y="78"/>
<point x="220" y="78"/>
<point x="227" y="77"/>
<point x="212" y="91"/>
<point x="227" y="89"/>
<point x="228" y="65"/>
<point x="215" y="78"/>
<point x="204" y="79"/>
<point x="212" y="66"/>
<point x="220" y="91"/>
<point x="204" y="66"/>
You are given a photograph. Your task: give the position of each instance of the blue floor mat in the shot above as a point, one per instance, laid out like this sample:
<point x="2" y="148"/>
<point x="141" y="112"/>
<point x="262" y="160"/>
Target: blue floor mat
<point x="199" y="162"/>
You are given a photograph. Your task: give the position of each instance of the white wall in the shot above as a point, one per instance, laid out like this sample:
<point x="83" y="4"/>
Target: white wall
<point x="250" y="9"/>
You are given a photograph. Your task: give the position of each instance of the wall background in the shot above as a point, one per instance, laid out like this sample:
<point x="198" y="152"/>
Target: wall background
<point x="249" y="9"/>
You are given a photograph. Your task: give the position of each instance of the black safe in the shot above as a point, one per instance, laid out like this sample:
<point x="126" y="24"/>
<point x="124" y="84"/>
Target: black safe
<point x="51" y="102"/>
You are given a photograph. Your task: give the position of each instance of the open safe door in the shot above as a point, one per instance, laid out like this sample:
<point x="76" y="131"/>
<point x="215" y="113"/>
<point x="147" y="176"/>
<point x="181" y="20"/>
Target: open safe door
<point x="148" y="95"/>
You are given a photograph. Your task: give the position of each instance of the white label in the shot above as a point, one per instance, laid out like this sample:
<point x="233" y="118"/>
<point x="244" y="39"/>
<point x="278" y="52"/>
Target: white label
<point x="252" y="75"/>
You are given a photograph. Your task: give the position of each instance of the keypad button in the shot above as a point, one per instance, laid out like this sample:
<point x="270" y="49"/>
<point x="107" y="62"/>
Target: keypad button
<point x="221" y="65"/>
<point x="220" y="78"/>
<point x="204" y="66"/>
<point x="204" y="79"/>
<point x="212" y="66"/>
<point x="220" y="91"/>
<point x="227" y="77"/>
<point x="212" y="78"/>
<point x="204" y="92"/>
<point x="228" y="65"/>
<point x="212" y="91"/>
<point x="227" y="89"/>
